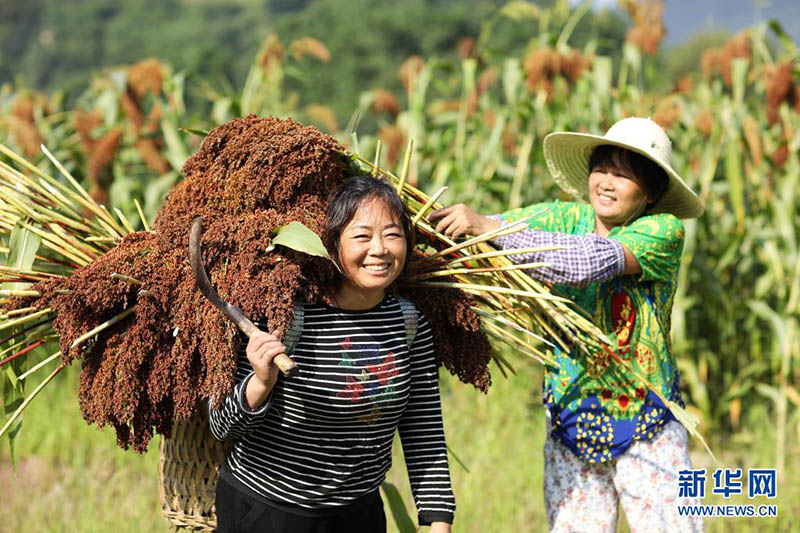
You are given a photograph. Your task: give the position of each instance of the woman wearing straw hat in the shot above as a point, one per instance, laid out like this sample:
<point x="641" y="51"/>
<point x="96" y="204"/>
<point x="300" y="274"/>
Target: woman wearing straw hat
<point x="611" y="439"/>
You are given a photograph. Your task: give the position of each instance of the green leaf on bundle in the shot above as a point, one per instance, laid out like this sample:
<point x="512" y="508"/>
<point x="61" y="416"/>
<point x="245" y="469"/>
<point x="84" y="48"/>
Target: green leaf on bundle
<point x="298" y="237"/>
<point x="22" y="245"/>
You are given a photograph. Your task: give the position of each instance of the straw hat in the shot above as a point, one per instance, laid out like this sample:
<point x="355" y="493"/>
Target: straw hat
<point x="567" y="155"/>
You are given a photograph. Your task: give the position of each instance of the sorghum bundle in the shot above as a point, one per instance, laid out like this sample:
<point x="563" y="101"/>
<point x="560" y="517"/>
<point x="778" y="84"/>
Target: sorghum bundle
<point x="249" y="177"/>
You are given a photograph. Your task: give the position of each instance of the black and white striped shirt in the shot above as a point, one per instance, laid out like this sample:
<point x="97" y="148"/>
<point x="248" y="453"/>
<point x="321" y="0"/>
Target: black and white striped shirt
<point x="324" y="437"/>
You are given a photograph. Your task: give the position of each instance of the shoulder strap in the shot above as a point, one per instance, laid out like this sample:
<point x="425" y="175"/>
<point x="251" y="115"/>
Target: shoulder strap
<point x="295" y="328"/>
<point x="411" y="319"/>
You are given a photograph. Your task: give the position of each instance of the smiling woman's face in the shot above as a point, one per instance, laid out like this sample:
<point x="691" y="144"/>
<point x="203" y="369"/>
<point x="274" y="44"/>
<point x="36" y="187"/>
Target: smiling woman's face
<point x="616" y="195"/>
<point x="372" y="249"/>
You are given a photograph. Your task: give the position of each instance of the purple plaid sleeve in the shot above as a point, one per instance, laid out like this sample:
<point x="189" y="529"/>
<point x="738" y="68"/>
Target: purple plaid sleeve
<point x="582" y="259"/>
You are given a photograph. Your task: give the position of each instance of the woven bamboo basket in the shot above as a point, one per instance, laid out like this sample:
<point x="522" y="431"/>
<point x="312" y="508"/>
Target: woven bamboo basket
<point x="188" y="467"/>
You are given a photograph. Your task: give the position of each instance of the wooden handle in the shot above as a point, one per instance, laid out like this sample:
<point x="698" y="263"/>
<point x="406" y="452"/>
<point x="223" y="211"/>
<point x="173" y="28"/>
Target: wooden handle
<point x="284" y="363"/>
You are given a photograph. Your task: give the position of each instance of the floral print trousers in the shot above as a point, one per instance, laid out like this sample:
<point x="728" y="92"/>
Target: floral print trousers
<point x="584" y="497"/>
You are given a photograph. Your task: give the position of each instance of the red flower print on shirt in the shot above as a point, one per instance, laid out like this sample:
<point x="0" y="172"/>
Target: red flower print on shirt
<point x="385" y="371"/>
<point x="346" y="344"/>
<point x="352" y="391"/>
<point x="623" y="318"/>
<point x="623" y="400"/>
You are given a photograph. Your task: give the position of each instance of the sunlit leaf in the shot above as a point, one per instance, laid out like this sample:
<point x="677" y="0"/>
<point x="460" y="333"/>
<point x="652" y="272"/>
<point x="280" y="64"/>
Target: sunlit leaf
<point x="23" y="245"/>
<point x="296" y="236"/>
<point x="176" y="151"/>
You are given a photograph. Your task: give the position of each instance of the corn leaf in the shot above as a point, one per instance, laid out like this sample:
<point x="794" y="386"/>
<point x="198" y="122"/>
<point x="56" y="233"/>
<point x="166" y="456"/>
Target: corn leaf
<point x="401" y="517"/>
<point x="690" y="422"/>
<point x="23" y="245"/>
<point x="176" y="151"/>
<point x="783" y="37"/>
<point x="194" y="131"/>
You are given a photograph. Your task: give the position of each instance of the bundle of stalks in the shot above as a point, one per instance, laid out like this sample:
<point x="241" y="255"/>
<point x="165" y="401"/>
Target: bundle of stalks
<point x="511" y="303"/>
<point x="125" y="302"/>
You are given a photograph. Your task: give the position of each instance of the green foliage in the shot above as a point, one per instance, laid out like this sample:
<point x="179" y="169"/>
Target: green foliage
<point x="23" y="245"/>
<point x="483" y="141"/>
<point x="72" y="477"/>
<point x="56" y="45"/>
<point x="479" y="132"/>
<point x="370" y="40"/>
<point x="64" y="41"/>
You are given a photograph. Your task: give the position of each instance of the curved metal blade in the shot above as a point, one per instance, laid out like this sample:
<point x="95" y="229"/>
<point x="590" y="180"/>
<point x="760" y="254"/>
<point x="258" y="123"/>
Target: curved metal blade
<point x="282" y="361"/>
<point x="196" y="260"/>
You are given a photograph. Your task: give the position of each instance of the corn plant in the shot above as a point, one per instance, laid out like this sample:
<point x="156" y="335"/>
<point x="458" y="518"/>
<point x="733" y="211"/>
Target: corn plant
<point x="735" y="140"/>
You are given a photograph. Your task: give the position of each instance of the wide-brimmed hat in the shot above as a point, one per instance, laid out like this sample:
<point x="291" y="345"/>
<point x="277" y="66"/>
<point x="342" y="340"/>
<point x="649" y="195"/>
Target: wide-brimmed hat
<point x="567" y="155"/>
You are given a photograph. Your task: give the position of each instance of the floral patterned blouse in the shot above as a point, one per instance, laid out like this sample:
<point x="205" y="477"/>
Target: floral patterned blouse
<point x="597" y="408"/>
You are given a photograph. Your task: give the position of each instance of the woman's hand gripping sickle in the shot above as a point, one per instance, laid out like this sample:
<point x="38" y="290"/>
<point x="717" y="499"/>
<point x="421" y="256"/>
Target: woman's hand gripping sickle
<point x="262" y="349"/>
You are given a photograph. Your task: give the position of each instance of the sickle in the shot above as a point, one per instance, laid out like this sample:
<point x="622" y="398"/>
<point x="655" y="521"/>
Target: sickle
<point x="282" y="361"/>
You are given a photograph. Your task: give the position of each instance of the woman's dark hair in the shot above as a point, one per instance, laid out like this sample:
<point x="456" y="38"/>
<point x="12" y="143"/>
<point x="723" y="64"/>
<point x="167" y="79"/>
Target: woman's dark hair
<point x="345" y="201"/>
<point x="650" y="175"/>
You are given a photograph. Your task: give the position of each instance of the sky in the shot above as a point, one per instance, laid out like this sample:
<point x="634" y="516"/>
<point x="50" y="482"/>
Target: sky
<point x="684" y="18"/>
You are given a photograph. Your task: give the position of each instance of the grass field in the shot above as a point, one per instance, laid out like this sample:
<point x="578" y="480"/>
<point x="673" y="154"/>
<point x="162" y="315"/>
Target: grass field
<point x="72" y="477"/>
